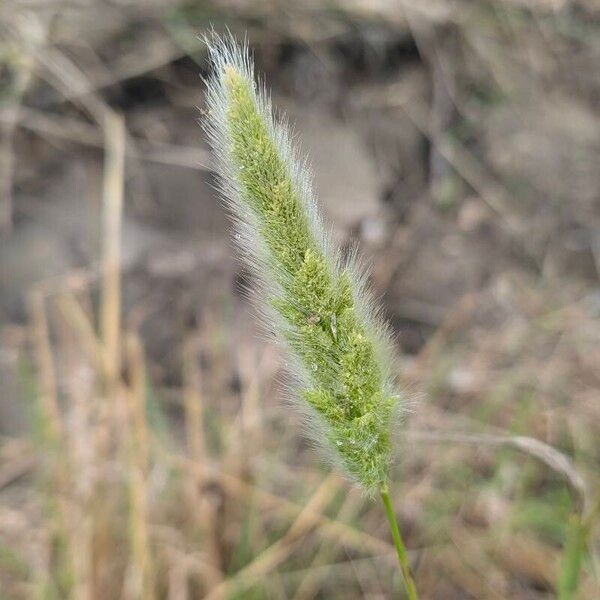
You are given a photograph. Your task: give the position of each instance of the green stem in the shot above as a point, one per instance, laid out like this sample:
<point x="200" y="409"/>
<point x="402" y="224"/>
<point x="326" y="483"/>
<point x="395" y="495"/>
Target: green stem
<point x="579" y="532"/>
<point x="573" y="557"/>
<point x="409" y="582"/>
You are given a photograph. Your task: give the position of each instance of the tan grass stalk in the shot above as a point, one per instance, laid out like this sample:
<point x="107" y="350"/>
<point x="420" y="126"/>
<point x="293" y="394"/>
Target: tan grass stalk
<point x="202" y="511"/>
<point x="138" y="453"/>
<point x="275" y="554"/>
<point x="45" y="364"/>
<point x="113" y="187"/>
<point x="54" y="442"/>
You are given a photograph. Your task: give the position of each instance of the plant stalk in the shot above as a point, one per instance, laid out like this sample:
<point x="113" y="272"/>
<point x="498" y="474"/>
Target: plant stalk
<point x="578" y="537"/>
<point x="409" y="582"/>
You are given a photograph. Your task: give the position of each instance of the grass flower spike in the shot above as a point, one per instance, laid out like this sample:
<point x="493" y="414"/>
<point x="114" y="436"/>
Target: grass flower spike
<point x="314" y="300"/>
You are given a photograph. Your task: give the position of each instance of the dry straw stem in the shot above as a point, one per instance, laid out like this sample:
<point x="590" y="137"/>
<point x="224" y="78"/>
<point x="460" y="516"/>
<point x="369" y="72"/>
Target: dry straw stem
<point x="275" y="554"/>
<point x="114" y="166"/>
<point x="546" y="454"/>
<point x="75" y="315"/>
<point x="79" y="418"/>
<point x="141" y="570"/>
<point x="330" y="528"/>
<point x="45" y="365"/>
<point x="194" y="404"/>
<point x="202" y="511"/>
<point x="21" y="38"/>
<point x="59" y="472"/>
<point x="311" y="583"/>
<point x="16" y="460"/>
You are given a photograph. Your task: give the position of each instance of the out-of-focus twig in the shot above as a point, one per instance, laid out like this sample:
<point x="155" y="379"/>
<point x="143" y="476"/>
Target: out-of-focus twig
<point x="45" y="365"/>
<point x="32" y="31"/>
<point x="113" y="188"/>
<point x="550" y="456"/>
<point x="280" y="550"/>
<point x="309" y="586"/>
<point x="330" y="527"/>
<point x="141" y="571"/>
<point x="80" y="132"/>
<point x="202" y="510"/>
<point x="20" y="462"/>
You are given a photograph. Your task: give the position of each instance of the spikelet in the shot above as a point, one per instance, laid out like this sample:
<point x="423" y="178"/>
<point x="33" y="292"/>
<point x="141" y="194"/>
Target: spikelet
<point x="316" y="302"/>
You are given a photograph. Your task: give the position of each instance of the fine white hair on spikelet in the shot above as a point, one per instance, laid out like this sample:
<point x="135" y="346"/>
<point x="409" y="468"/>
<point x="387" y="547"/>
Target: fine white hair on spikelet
<point x="315" y="301"/>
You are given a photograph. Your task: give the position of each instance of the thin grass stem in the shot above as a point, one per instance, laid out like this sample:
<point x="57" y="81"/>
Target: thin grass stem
<point x="409" y="582"/>
<point x="579" y="533"/>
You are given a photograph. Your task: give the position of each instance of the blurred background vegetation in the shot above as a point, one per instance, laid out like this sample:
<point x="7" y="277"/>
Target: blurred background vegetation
<point x="146" y="448"/>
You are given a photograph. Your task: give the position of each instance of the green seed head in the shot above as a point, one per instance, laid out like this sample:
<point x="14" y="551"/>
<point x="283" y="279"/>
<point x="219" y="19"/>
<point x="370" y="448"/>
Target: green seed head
<point x="315" y="301"/>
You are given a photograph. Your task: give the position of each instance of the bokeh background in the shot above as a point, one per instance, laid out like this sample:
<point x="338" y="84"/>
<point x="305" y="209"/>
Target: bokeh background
<point x="146" y="450"/>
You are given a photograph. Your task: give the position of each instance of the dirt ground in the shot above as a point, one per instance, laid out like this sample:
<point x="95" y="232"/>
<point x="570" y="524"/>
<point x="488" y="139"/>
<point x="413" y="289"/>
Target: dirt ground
<point x="458" y="143"/>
